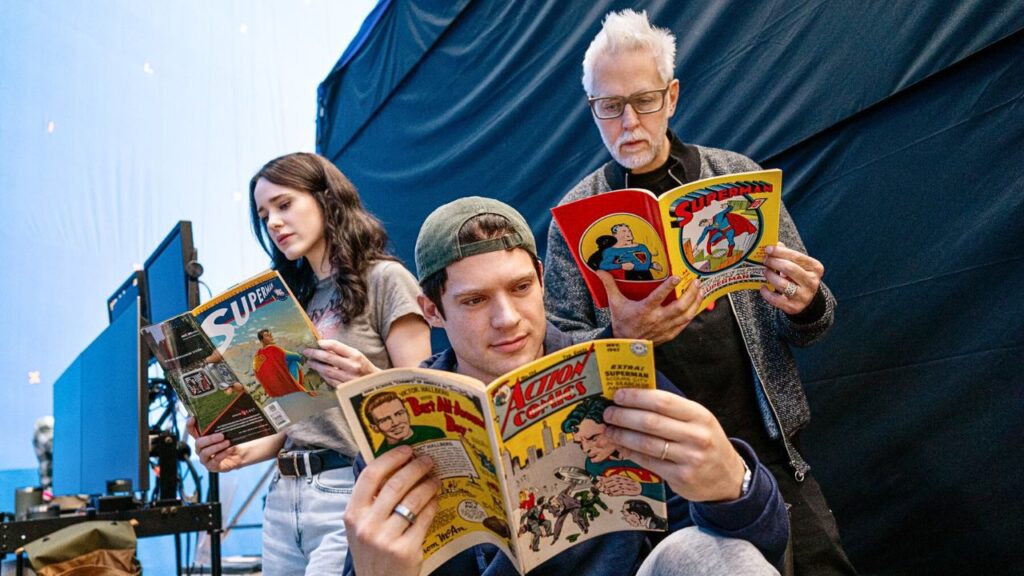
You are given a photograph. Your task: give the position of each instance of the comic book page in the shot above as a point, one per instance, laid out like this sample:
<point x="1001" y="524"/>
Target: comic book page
<point x="260" y="331"/>
<point x="619" y="232"/>
<point x="443" y="415"/>
<point x="205" y="384"/>
<point x="568" y="482"/>
<point x="716" y="229"/>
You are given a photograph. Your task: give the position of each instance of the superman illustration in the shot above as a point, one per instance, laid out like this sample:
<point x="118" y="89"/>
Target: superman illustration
<point x="624" y="257"/>
<point x="276" y="369"/>
<point x="725" y="225"/>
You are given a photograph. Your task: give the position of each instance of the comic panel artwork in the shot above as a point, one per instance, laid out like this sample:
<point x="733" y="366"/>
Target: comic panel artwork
<point x="626" y="246"/>
<point x="568" y="480"/>
<point x="448" y="425"/>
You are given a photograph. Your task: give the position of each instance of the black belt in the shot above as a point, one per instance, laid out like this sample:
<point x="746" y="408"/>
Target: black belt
<point x="308" y="463"/>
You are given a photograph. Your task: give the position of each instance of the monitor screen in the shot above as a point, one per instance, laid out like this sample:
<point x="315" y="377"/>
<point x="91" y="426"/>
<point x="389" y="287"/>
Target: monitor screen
<point x="133" y="288"/>
<point x="172" y="290"/>
<point x="101" y="412"/>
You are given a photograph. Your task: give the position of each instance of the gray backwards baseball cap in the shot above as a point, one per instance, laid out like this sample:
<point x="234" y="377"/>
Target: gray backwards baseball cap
<point x="438" y="243"/>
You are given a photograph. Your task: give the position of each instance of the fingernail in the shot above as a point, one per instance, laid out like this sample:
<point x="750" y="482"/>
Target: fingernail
<point x="676" y="280"/>
<point x="404" y="450"/>
<point x="769" y="249"/>
<point x="609" y="413"/>
<point x="620" y="395"/>
<point x="696" y="282"/>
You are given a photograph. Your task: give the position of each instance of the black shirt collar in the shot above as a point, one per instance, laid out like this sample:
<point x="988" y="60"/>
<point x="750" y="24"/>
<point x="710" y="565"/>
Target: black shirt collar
<point x="684" y="162"/>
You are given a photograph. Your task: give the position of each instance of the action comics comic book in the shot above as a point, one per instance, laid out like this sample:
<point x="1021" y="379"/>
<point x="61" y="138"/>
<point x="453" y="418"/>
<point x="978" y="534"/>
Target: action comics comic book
<point x="714" y="229"/>
<point x="521" y="460"/>
<point x="236" y="360"/>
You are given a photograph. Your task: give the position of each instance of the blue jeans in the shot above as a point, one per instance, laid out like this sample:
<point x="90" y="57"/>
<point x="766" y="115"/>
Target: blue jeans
<point x="694" y="552"/>
<point x="303" y="524"/>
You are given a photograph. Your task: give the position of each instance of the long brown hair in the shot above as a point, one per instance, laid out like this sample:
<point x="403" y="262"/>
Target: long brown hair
<point x="354" y="237"/>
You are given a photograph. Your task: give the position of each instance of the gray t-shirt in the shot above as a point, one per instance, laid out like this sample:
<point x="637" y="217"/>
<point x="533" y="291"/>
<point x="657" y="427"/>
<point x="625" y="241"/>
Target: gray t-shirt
<point x="391" y="294"/>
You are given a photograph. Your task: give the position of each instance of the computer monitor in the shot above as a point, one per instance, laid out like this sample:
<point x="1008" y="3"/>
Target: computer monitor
<point x="101" y="411"/>
<point x="171" y="275"/>
<point x="133" y="288"/>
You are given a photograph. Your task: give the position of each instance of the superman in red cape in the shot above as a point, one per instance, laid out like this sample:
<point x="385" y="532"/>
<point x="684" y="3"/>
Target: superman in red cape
<point x="725" y="225"/>
<point x="276" y="369"/>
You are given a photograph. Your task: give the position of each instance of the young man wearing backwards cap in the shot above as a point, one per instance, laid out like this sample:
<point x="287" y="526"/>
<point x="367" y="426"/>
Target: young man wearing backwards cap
<point x="477" y="263"/>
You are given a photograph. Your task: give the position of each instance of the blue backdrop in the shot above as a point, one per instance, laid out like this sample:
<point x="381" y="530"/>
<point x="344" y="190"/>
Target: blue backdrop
<point x="900" y="129"/>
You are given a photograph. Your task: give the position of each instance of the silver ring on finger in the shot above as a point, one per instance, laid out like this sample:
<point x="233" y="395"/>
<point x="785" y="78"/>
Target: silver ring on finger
<point x="790" y="290"/>
<point x="403" y="511"/>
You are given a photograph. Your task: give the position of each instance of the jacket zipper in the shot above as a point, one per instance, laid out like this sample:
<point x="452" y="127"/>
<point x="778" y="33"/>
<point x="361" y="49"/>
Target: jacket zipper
<point x="797" y="473"/>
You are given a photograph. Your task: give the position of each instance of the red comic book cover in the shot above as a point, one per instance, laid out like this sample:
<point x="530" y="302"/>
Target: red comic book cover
<point x="619" y="232"/>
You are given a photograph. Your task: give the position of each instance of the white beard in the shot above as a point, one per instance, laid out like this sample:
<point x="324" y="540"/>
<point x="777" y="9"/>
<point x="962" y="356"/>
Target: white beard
<point x="638" y="159"/>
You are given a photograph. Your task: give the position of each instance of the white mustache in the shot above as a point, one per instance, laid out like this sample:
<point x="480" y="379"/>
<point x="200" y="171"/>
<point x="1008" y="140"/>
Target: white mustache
<point x="634" y="135"/>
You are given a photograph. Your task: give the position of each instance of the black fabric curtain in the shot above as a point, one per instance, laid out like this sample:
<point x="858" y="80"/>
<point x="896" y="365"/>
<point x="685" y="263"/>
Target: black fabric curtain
<point x="900" y="129"/>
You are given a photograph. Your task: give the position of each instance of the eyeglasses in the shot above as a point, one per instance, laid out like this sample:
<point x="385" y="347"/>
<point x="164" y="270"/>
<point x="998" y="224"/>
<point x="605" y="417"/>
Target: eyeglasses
<point x="610" y="107"/>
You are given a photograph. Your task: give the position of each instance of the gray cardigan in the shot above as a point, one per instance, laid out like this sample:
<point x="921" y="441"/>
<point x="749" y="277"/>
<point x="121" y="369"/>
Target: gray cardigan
<point x="767" y="331"/>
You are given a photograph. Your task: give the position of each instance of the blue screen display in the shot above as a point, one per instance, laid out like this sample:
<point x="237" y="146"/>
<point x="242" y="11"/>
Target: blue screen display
<point x="166" y="280"/>
<point x="100" y="409"/>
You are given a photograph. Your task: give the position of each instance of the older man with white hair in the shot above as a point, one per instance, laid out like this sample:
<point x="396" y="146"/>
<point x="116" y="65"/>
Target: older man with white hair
<point x="734" y="358"/>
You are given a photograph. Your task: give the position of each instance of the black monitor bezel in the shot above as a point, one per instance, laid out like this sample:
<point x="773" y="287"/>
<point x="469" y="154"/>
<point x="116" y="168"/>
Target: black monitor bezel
<point x="138" y="277"/>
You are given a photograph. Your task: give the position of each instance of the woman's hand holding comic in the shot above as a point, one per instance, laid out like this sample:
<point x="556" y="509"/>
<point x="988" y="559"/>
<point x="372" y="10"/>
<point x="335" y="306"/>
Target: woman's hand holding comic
<point x="338" y="363"/>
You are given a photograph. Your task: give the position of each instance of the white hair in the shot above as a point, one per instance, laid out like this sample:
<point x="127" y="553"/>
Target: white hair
<point x="629" y="30"/>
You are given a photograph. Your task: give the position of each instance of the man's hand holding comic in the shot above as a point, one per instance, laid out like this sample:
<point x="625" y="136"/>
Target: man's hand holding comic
<point x="677" y="439"/>
<point x="795" y="277"/>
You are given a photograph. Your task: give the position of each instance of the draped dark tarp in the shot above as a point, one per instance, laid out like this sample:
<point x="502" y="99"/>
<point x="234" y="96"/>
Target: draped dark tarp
<point x="900" y="127"/>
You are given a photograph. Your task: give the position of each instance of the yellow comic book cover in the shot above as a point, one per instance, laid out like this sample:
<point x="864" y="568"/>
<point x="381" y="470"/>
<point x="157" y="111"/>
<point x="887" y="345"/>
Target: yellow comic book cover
<point x="717" y="230"/>
<point x="568" y="482"/>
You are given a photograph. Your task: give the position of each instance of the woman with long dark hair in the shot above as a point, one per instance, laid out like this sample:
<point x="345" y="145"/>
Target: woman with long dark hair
<point x="333" y="255"/>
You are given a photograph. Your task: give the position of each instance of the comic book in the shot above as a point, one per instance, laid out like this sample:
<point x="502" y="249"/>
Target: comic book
<point x="521" y="460"/>
<point x="714" y="229"/>
<point x="236" y="360"/>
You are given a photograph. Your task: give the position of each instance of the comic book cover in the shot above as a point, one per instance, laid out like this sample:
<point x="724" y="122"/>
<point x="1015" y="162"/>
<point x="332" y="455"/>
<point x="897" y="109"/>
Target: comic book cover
<point x="714" y="229"/>
<point x="244" y="344"/>
<point x="445" y="416"/>
<point x="567" y="482"/>
<point x="522" y="462"/>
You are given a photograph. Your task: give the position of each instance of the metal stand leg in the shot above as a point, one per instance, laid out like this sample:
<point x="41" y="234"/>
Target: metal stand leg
<point x="213" y="495"/>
